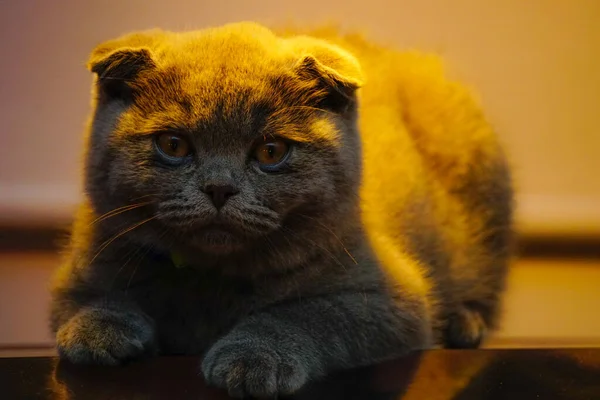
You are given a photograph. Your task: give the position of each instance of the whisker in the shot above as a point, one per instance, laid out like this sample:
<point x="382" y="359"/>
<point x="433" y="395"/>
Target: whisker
<point x="260" y="212"/>
<point x="285" y="235"/>
<point x="142" y="257"/>
<point x="108" y="242"/>
<point x="143" y="197"/>
<point x="334" y="235"/>
<point x="256" y="226"/>
<point x="287" y="239"/>
<point x="118" y="211"/>
<point x="330" y="254"/>
<point x="131" y="254"/>
<point x="273" y="117"/>
<point x="285" y="109"/>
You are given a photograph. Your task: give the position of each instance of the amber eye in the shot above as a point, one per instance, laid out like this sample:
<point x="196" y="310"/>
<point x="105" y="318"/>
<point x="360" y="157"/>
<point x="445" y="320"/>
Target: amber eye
<point x="271" y="152"/>
<point x="173" y="145"/>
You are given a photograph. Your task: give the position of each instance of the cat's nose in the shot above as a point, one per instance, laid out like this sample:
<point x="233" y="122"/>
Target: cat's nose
<point x="219" y="193"/>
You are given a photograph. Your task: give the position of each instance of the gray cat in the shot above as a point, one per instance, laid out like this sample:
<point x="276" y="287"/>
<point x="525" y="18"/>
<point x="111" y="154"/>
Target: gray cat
<point x="283" y="205"/>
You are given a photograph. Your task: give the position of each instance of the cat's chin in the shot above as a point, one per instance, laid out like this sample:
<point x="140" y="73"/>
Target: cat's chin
<point x="217" y="241"/>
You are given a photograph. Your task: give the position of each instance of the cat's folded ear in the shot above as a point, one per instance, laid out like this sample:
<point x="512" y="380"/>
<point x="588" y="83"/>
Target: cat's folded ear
<point x="123" y="63"/>
<point x="337" y="75"/>
<point x="118" y="62"/>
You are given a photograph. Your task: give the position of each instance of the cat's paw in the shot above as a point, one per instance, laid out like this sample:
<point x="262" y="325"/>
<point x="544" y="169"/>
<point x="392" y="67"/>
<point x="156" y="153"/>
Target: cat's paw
<point x="465" y="329"/>
<point x="106" y="337"/>
<point x="253" y="367"/>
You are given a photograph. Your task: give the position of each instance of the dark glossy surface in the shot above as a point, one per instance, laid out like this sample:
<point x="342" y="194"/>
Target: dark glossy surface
<point x="432" y="375"/>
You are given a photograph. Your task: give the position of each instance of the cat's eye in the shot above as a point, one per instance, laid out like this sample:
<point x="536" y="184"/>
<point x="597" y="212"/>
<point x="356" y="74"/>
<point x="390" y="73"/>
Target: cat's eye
<point x="271" y="153"/>
<point x="173" y="146"/>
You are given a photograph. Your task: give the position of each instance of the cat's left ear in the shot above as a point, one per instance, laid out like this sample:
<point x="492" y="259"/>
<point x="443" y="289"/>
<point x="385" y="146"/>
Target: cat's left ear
<point x="338" y="76"/>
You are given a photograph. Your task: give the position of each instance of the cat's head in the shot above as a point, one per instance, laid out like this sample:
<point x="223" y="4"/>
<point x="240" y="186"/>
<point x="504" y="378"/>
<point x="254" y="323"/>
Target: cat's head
<point x="228" y="136"/>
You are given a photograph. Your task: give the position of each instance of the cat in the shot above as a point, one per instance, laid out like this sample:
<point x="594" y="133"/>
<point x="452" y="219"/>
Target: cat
<point x="282" y="203"/>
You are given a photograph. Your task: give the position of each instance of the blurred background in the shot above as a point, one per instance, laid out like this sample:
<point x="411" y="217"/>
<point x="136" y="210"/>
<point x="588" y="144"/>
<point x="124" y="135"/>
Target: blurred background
<point x="535" y="65"/>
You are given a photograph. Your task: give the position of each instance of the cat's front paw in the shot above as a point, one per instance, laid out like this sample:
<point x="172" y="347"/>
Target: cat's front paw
<point x="106" y="337"/>
<point x="253" y="367"/>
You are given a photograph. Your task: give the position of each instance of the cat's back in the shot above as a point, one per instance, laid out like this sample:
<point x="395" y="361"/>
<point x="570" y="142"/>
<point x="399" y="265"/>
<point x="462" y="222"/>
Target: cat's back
<point x="421" y="131"/>
<point x="436" y="186"/>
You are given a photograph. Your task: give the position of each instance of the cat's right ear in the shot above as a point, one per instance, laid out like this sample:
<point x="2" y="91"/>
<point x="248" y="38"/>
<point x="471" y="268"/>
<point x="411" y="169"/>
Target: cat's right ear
<point x="117" y="64"/>
<point x="335" y="74"/>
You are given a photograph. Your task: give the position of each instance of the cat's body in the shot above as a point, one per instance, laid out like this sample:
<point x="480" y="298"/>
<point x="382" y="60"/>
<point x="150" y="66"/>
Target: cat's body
<point x="320" y="266"/>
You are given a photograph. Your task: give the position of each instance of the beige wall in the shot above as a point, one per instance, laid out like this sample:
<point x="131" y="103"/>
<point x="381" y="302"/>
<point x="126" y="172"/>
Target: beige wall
<point x="536" y="65"/>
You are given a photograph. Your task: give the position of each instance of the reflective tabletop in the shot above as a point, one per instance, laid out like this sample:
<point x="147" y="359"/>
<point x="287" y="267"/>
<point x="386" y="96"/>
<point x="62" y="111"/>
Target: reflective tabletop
<point x="570" y="374"/>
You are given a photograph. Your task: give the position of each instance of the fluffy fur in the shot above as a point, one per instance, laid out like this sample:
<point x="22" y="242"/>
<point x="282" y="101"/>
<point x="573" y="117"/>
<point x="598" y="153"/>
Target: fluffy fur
<point x="389" y="230"/>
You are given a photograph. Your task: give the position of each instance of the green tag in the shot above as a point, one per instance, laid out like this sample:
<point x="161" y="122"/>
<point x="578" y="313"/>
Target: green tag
<point x="177" y="260"/>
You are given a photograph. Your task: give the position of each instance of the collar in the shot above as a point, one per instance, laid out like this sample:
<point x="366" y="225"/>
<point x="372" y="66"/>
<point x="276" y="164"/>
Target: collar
<point x="177" y="260"/>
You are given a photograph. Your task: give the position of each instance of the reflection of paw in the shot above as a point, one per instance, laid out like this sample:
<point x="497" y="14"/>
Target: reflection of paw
<point x="466" y="329"/>
<point x="108" y="337"/>
<point x="252" y="367"/>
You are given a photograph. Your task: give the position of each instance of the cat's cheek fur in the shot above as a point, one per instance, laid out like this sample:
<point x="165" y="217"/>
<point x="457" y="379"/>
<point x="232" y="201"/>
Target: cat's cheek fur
<point x="286" y="191"/>
<point x="133" y="172"/>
